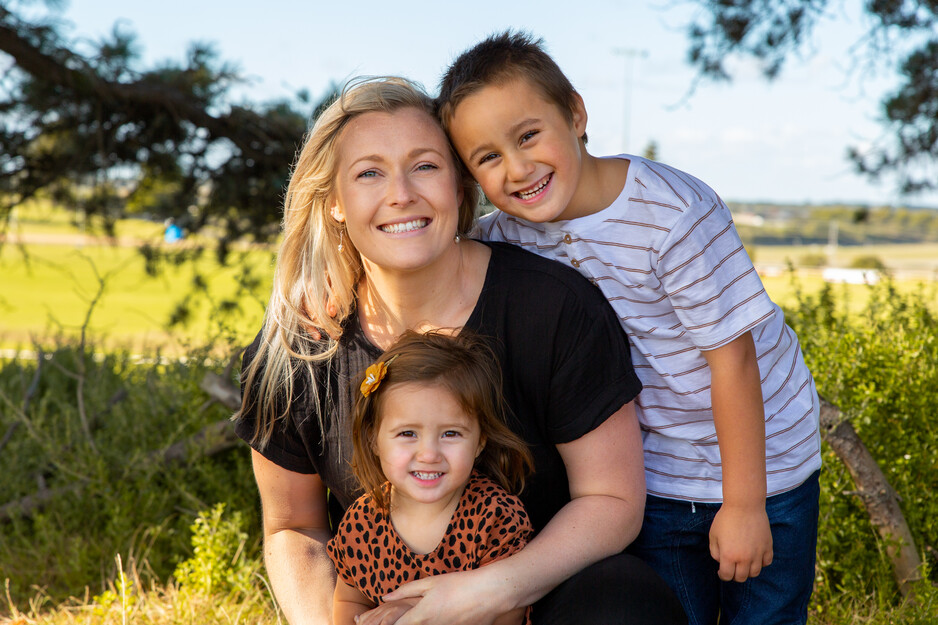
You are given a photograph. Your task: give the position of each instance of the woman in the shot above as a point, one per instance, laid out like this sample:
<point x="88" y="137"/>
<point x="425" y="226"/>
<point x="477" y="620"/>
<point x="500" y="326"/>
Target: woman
<point x="374" y="225"/>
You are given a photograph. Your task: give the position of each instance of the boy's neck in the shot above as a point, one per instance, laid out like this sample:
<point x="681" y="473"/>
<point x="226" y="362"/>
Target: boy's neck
<point x="600" y="182"/>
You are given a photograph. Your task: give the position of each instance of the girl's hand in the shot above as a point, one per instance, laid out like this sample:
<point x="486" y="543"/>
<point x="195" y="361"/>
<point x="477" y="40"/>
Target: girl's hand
<point x="386" y="613"/>
<point x="464" y="598"/>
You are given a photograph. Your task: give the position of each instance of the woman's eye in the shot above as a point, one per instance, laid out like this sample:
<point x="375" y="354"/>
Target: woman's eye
<point x="368" y="173"/>
<point x="426" y="167"/>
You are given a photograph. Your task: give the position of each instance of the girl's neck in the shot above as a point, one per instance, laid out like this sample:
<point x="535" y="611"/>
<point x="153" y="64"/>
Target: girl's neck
<point x="441" y="295"/>
<point x="422" y="526"/>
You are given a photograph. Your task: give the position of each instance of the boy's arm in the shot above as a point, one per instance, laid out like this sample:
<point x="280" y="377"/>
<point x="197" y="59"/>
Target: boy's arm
<point x="740" y="537"/>
<point x="347" y="603"/>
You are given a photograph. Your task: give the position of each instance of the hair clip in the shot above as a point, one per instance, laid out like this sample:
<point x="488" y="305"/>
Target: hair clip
<point x="373" y="376"/>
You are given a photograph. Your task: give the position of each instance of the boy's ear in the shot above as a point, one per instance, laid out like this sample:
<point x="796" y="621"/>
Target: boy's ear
<point x="578" y="115"/>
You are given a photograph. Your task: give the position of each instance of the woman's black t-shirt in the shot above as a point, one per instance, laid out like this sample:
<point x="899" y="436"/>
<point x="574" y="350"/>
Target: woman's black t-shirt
<point x="565" y="366"/>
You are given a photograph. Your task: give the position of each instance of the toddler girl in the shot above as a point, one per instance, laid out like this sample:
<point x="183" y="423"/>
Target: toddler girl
<point x="436" y="462"/>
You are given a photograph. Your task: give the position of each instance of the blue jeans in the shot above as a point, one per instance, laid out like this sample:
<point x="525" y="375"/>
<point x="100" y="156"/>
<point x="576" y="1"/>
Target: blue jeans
<point x="675" y="541"/>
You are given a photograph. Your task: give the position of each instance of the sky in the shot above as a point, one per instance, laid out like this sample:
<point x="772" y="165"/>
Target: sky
<point x="750" y="140"/>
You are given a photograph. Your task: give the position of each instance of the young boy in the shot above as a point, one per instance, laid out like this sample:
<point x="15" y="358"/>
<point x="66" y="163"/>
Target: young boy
<point x="729" y="411"/>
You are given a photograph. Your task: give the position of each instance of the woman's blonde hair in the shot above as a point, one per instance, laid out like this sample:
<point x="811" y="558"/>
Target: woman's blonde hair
<point x="313" y="277"/>
<point x="467" y="368"/>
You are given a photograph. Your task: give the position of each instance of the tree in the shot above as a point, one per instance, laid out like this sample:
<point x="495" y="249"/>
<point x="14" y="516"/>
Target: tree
<point x="87" y="125"/>
<point x="902" y="34"/>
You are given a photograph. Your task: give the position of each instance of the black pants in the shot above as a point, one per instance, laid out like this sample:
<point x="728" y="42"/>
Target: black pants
<point x="620" y="590"/>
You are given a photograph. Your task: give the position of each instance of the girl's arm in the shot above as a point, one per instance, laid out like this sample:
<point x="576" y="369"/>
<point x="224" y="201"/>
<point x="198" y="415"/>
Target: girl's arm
<point x="348" y="602"/>
<point x="740" y="537"/>
<point x="607" y="487"/>
<point x="296" y="530"/>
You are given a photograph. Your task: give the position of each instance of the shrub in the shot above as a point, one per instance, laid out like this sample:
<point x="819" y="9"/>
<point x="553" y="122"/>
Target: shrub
<point x="868" y="262"/>
<point x="92" y="434"/>
<point x="813" y="259"/>
<point x="881" y="368"/>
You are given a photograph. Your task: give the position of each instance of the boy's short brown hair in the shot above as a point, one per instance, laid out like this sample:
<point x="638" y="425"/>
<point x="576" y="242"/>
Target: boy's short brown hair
<point x="498" y="59"/>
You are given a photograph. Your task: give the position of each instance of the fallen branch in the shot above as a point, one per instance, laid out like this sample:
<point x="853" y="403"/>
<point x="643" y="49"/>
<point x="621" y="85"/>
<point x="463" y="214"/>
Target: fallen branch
<point x="878" y="497"/>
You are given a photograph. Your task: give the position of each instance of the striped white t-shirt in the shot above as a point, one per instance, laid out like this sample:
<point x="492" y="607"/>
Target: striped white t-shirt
<point x="670" y="262"/>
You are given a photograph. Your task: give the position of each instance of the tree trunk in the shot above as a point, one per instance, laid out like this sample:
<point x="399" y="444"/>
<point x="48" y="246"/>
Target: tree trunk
<point x="878" y="497"/>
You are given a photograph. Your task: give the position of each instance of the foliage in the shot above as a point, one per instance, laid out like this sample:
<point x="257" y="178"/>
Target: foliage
<point x="868" y="262"/>
<point x="89" y="126"/>
<point x="219" y="562"/>
<point x="881" y="368"/>
<point x="812" y="259"/>
<point x="902" y="34"/>
<point x="91" y="429"/>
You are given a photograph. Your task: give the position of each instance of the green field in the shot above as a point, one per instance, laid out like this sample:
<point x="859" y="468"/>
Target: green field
<point x="50" y="282"/>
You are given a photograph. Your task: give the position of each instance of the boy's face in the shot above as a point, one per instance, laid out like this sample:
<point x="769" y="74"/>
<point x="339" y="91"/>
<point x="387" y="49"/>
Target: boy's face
<point x="522" y="149"/>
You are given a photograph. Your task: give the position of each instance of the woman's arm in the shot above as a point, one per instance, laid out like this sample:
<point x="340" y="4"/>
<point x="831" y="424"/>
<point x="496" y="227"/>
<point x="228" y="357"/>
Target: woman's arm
<point x="607" y="488"/>
<point x="296" y="530"/>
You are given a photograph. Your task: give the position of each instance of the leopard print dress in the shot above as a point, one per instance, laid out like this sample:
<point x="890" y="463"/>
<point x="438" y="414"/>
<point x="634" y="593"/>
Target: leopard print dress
<point x="488" y="525"/>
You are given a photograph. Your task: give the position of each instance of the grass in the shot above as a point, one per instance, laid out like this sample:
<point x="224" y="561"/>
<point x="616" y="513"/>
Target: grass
<point x="48" y="290"/>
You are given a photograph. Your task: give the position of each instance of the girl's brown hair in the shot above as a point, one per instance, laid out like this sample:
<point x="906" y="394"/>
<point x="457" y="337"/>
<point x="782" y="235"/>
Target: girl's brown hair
<point x="465" y="366"/>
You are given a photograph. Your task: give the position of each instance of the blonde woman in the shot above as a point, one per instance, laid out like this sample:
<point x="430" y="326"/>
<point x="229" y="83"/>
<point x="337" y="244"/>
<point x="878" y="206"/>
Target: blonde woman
<point x="375" y="224"/>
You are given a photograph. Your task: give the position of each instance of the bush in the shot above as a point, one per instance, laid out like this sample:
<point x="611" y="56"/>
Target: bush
<point x="813" y="259"/>
<point x="868" y="262"/>
<point x="881" y="368"/>
<point x="91" y="435"/>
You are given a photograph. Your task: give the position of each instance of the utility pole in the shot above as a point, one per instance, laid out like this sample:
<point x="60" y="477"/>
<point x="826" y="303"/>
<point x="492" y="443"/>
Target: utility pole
<point x="630" y="55"/>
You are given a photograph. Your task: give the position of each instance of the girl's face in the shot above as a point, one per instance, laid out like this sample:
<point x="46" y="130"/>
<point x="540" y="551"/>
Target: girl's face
<point x="396" y="189"/>
<point x="426" y="443"/>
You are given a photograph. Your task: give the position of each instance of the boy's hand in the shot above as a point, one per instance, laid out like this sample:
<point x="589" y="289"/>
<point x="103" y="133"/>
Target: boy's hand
<point x="386" y="613"/>
<point x="741" y="541"/>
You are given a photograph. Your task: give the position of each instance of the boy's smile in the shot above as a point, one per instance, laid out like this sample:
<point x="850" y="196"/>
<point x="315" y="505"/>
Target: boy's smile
<point x="524" y="152"/>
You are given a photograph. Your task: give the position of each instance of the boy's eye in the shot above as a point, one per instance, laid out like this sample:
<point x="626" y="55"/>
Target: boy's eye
<point x="488" y="157"/>
<point x="528" y="136"/>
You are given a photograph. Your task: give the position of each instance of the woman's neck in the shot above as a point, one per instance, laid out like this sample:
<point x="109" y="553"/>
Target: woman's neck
<point x="441" y="295"/>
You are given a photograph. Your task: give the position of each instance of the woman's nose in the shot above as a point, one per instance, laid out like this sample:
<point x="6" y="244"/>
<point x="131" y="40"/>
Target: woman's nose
<point x="401" y="191"/>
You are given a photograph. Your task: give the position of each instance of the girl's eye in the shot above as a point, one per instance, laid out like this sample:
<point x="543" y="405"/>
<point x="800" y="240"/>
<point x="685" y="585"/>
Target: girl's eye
<point x="528" y="136"/>
<point x="451" y="434"/>
<point x="407" y="434"/>
<point x="487" y="157"/>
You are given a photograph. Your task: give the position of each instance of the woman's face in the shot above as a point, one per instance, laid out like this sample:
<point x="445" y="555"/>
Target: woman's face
<point x="396" y="189"/>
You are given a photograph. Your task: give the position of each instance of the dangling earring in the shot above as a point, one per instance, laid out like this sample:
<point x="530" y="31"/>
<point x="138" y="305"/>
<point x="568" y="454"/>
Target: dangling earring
<point x="457" y="238"/>
<point x="341" y="238"/>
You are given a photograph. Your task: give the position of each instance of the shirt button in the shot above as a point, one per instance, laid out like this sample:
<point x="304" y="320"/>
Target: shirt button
<point x="575" y="262"/>
<point x="567" y="239"/>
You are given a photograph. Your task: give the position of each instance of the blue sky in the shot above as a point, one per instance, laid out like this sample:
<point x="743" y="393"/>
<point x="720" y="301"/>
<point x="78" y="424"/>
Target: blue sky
<point x="750" y="140"/>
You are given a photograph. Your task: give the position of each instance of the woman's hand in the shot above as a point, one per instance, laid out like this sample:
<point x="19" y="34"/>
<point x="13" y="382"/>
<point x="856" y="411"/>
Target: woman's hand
<point x="464" y="598"/>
